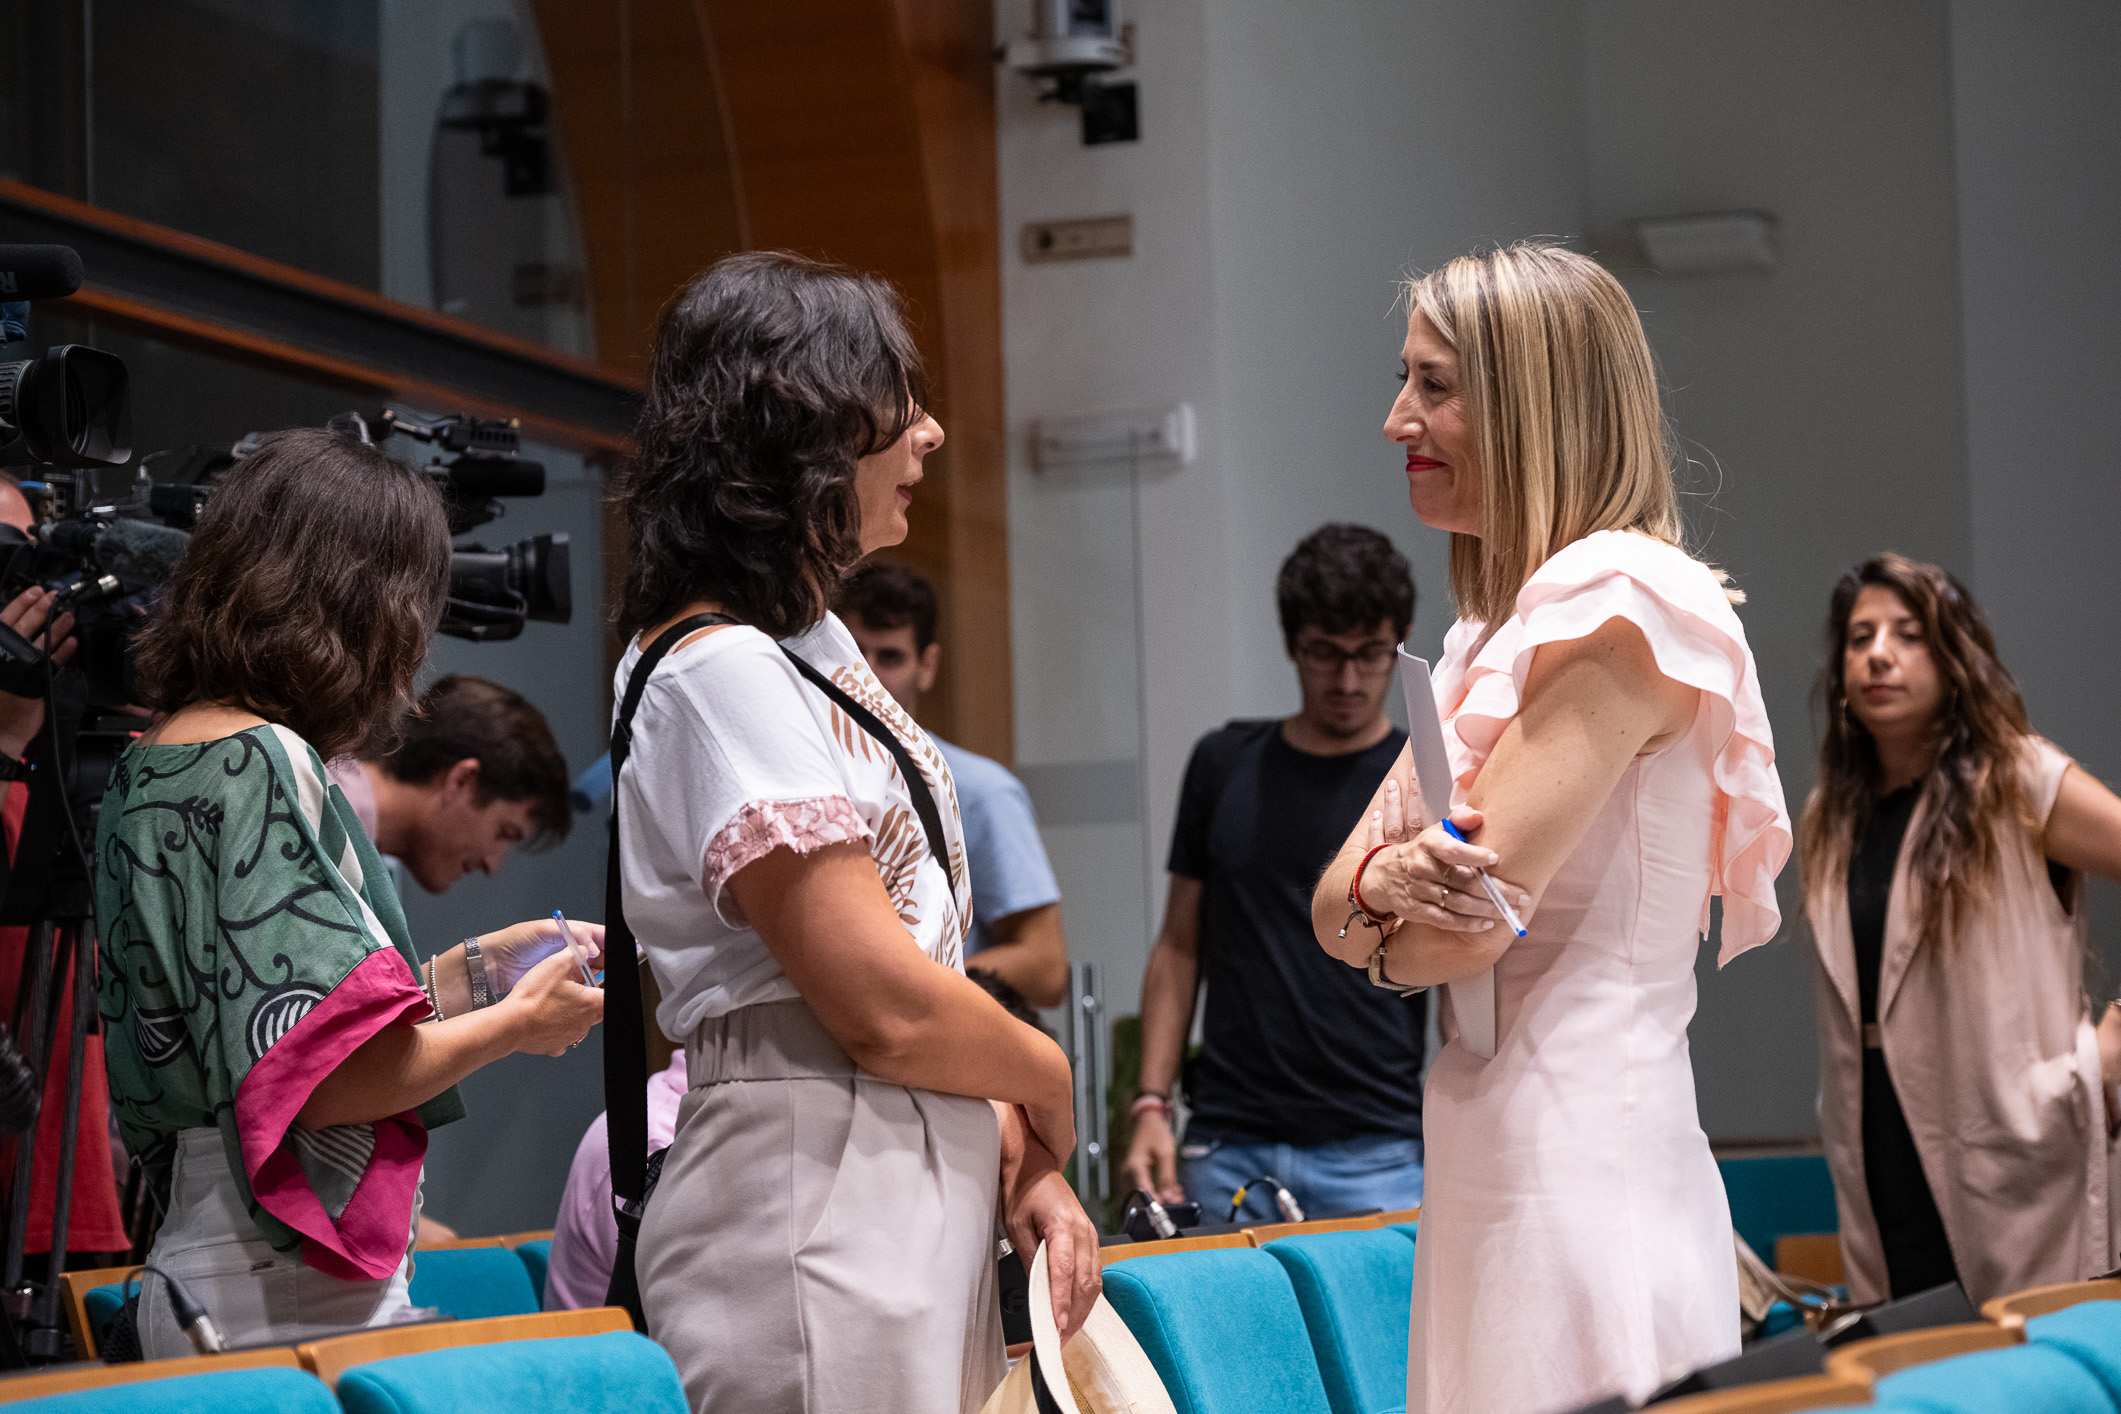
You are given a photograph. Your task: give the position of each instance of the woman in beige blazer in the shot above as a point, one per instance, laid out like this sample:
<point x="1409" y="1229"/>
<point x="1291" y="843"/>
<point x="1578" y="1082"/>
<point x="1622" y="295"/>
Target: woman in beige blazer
<point x="1965" y="1093"/>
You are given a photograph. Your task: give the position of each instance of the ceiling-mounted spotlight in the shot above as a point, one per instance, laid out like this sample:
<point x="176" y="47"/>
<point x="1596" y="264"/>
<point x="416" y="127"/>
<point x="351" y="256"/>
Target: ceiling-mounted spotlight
<point x="1711" y="243"/>
<point x="1073" y="44"/>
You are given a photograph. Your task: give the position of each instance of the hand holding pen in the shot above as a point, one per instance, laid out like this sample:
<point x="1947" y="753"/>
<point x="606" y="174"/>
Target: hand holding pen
<point x="1440" y="879"/>
<point x="510" y="953"/>
<point x="582" y="955"/>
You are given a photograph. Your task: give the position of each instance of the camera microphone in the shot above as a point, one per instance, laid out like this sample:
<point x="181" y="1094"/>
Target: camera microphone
<point x="30" y="272"/>
<point x="141" y="550"/>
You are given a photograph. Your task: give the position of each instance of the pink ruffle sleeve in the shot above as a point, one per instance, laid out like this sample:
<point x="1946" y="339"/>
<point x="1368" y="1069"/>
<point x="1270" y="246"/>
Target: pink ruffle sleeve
<point x="1681" y="610"/>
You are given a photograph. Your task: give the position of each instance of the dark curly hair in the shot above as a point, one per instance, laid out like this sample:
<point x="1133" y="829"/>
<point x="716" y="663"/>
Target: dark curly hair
<point x="773" y="374"/>
<point x="308" y="594"/>
<point x="1344" y="579"/>
<point x="1975" y="792"/>
<point x="461" y="717"/>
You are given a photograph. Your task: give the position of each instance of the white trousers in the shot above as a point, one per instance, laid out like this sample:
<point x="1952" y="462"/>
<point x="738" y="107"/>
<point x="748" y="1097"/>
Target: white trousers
<point x="256" y="1296"/>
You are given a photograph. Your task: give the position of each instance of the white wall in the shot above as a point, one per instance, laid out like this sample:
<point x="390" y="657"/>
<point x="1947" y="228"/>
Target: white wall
<point x="2037" y="125"/>
<point x="1823" y="398"/>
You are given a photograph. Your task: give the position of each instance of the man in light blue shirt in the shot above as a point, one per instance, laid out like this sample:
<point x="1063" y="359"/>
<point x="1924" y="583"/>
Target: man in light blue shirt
<point x="1016" y="923"/>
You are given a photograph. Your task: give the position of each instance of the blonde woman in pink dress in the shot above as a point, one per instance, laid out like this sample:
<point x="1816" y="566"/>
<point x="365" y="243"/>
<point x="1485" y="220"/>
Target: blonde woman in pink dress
<point x="1614" y="771"/>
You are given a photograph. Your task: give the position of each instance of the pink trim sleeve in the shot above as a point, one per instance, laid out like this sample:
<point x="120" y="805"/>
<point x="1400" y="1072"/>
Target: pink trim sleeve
<point x="763" y="826"/>
<point x="369" y="1238"/>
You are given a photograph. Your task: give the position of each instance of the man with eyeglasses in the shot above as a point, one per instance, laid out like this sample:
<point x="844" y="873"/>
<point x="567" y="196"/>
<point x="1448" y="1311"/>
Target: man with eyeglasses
<point x="1306" y="1074"/>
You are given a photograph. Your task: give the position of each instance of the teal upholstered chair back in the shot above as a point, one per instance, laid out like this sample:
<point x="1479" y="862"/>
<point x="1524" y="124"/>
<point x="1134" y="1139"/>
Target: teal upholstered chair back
<point x="2023" y="1379"/>
<point x="2089" y="1334"/>
<point x="535" y="1255"/>
<point x="269" y="1391"/>
<point x="470" y="1282"/>
<point x="101" y="1304"/>
<point x="618" y="1372"/>
<point x="1223" y="1329"/>
<point x="1355" y="1289"/>
<point x="1770" y="1197"/>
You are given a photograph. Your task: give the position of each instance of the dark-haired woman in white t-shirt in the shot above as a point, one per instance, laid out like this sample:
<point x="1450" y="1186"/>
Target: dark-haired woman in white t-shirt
<point x="822" y="1235"/>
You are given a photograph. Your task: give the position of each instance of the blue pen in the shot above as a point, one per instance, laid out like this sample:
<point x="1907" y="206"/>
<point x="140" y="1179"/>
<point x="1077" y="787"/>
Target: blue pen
<point x="589" y="979"/>
<point x="1509" y="914"/>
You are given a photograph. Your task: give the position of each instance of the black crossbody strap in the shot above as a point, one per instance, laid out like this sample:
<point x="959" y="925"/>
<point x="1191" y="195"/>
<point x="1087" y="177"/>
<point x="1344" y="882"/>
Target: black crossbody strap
<point x="625" y="1031"/>
<point x="916" y="783"/>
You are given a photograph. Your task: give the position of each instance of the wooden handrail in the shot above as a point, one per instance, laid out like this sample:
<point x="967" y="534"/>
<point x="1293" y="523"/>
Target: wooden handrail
<point x="294" y="277"/>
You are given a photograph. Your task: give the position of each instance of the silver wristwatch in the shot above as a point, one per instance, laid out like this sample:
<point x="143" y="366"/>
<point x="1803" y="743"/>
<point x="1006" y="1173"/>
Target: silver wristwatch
<point x="481" y="994"/>
<point x="1377" y="972"/>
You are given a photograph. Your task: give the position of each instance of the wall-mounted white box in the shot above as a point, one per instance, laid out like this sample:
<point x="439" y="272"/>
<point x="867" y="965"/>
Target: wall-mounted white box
<point x="1136" y="434"/>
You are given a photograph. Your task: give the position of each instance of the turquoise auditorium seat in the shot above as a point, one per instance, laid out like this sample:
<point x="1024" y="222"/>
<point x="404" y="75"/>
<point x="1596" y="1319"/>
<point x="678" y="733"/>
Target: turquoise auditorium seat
<point x="618" y="1372"/>
<point x="535" y="1256"/>
<point x="2089" y="1334"/>
<point x="1773" y="1196"/>
<point x="1223" y="1329"/>
<point x="267" y="1391"/>
<point x="470" y="1282"/>
<point x="101" y="1304"/>
<point x="1355" y="1289"/>
<point x="2023" y="1379"/>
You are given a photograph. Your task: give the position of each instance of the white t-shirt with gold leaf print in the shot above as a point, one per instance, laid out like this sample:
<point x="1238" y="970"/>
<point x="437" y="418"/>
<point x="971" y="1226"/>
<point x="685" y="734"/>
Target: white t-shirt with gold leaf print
<point x="735" y="755"/>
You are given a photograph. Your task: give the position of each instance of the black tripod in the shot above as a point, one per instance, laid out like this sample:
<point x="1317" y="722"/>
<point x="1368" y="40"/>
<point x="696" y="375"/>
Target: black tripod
<point x="48" y="887"/>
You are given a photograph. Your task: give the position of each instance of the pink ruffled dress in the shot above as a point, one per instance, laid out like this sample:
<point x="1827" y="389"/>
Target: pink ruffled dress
<point x="1575" y="1241"/>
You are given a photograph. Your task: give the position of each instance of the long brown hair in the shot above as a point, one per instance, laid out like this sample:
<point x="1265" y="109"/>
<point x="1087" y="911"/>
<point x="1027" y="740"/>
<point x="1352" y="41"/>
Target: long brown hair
<point x="1974" y="792"/>
<point x="1573" y="438"/>
<point x="308" y="594"/>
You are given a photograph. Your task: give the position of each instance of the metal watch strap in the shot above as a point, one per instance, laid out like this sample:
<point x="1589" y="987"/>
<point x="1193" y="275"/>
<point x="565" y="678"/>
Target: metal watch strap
<point x="1377" y="972"/>
<point x="481" y="994"/>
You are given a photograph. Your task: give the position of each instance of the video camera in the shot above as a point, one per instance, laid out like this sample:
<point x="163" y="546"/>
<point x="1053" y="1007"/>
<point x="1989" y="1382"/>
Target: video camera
<point x="65" y="413"/>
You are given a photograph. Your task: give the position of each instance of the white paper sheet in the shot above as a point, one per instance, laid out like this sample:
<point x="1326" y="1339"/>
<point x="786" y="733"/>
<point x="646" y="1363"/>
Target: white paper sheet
<point x="1472" y="998"/>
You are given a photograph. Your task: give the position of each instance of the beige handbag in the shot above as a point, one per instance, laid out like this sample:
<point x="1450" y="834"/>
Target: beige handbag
<point x="1104" y="1370"/>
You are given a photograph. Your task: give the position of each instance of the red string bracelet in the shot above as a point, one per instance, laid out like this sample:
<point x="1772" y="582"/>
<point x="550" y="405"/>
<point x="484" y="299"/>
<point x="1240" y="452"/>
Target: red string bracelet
<point x="1355" y="890"/>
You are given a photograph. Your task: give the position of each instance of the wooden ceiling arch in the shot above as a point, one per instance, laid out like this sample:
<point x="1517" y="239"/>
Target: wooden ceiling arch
<point x="860" y="131"/>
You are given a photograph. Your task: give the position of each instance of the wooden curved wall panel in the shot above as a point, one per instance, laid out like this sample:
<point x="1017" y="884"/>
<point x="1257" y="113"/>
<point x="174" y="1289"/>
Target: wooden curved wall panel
<point x="860" y="131"/>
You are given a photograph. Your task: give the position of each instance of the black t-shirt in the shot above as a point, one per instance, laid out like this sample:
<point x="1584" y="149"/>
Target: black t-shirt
<point x="1298" y="1047"/>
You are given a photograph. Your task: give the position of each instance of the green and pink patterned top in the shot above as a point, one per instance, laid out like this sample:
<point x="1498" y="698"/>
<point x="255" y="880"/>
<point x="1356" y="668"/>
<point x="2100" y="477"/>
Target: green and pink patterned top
<point x="250" y="943"/>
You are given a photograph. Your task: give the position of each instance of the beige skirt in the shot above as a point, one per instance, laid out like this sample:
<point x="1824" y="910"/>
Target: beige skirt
<point x="821" y="1240"/>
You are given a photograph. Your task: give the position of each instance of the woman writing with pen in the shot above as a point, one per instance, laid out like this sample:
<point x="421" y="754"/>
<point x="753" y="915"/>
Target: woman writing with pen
<point x="276" y="1053"/>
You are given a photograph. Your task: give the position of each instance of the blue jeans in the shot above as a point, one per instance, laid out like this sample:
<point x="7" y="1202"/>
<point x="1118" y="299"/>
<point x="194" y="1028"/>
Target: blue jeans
<point x="1374" y="1171"/>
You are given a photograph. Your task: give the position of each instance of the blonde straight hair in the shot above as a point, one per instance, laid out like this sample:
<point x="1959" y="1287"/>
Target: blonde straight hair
<point x="1573" y="438"/>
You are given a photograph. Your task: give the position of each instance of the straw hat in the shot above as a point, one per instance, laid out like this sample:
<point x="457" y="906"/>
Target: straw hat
<point x="1106" y="1371"/>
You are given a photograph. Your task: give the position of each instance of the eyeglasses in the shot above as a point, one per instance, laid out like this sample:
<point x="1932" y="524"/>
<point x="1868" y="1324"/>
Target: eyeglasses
<point x="1371" y="660"/>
